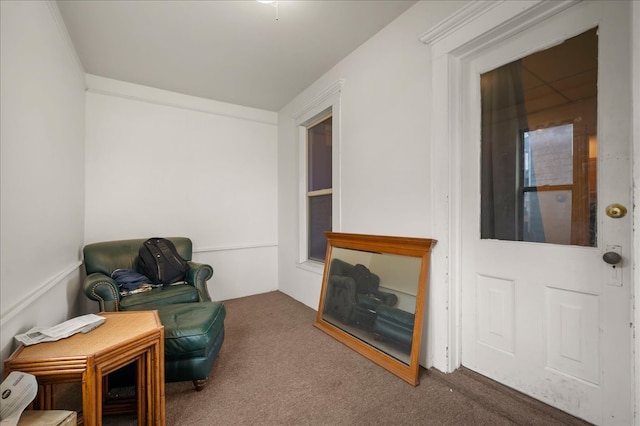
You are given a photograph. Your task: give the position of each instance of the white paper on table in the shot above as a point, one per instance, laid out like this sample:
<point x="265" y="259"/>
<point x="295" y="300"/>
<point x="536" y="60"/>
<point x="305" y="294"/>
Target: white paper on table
<point x="81" y="324"/>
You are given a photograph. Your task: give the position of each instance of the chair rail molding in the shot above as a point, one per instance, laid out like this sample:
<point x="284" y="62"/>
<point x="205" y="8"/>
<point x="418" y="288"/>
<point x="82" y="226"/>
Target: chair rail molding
<point x="234" y="247"/>
<point x="18" y="307"/>
<point x="471" y="30"/>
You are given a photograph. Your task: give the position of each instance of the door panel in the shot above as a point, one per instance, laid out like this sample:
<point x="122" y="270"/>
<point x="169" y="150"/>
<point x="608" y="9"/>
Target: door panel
<point x="495" y="316"/>
<point x="549" y="318"/>
<point x="572" y="343"/>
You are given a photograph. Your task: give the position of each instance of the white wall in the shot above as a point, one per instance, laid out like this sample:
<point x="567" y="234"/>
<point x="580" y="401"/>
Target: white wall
<point x="42" y="170"/>
<point x="163" y="164"/>
<point x="384" y="152"/>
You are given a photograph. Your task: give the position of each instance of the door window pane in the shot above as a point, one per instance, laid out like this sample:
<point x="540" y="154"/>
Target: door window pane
<point x="539" y="146"/>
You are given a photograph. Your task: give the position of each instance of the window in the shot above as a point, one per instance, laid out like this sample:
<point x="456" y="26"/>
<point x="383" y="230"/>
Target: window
<point x="318" y="126"/>
<point x="319" y="185"/>
<point x="548" y="184"/>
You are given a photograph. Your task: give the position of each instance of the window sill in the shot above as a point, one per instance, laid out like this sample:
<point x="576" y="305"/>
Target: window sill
<point x="312" y="266"/>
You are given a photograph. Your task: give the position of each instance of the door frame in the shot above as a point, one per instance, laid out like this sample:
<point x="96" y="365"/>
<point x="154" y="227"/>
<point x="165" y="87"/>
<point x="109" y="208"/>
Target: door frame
<point x="470" y="30"/>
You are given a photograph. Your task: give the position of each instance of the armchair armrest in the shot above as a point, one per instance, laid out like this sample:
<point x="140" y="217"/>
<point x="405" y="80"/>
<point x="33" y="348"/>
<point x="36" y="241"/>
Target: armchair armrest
<point x="197" y="276"/>
<point x="347" y="284"/>
<point x="104" y="290"/>
<point x="341" y="296"/>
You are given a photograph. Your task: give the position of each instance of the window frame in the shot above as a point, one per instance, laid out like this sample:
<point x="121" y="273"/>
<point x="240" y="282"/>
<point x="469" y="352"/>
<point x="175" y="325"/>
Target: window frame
<point x="328" y="101"/>
<point x="318" y="192"/>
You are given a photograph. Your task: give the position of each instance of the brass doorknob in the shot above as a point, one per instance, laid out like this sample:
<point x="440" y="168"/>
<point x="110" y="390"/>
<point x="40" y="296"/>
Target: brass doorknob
<point x="612" y="258"/>
<point x="616" y="211"/>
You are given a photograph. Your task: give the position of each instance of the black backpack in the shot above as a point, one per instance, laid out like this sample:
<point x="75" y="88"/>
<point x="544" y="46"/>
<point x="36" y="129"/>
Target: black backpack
<point x="160" y="261"/>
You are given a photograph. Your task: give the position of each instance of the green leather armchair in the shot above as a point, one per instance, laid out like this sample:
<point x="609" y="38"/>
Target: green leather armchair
<point x="193" y="324"/>
<point x="101" y="259"/>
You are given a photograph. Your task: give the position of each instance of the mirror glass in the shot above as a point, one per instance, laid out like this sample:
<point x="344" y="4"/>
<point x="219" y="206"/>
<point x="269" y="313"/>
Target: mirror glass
<point x="373" y="296"/>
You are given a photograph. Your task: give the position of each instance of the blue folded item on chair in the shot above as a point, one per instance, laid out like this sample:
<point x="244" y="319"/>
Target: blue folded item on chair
<point x="128" y="279"/>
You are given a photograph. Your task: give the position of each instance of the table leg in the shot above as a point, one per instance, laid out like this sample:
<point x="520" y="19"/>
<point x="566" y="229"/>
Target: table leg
<point x="141" y="390"/>
<point x="157" y="375"/>
<point x="45" y="398"/>
<point x="90" y="392"/>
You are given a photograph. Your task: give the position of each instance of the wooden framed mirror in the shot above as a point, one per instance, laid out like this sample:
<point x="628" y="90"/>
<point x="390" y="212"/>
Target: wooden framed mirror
<point x="372" y="298"/>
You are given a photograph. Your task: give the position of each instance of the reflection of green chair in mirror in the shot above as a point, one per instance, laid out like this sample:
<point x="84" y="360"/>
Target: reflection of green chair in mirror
<point x="395" y="325"/>
<point x="353" y="295"/>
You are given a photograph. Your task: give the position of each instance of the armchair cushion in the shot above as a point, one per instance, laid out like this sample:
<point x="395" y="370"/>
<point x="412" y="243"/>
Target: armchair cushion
<point x="179" y="293"/>
<point x="101" y="259"/>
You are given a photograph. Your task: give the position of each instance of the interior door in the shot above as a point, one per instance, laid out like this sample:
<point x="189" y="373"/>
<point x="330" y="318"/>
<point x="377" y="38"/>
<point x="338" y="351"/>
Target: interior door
<point x="542" y="311"/>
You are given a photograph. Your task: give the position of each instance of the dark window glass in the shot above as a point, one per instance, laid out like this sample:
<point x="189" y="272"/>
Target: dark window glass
<point x="319" y="186"/>
<point x="320" y="155"/>
<point x="319" y="221"/>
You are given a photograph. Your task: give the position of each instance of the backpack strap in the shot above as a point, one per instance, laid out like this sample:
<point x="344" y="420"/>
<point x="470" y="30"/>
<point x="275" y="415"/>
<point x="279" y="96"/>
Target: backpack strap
<point x="171" y="256"/>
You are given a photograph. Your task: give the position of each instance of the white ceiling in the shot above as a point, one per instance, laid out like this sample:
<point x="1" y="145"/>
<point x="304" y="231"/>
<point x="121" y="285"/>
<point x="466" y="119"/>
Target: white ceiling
<point x="229" y="51"/>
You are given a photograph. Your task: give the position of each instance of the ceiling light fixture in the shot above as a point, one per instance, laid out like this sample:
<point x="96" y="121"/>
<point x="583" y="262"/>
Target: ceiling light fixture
<point x="273" y="3"/>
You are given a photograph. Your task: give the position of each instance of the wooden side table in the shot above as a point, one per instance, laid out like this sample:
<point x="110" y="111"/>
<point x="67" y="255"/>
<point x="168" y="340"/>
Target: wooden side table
<point x="123" y="338"/>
